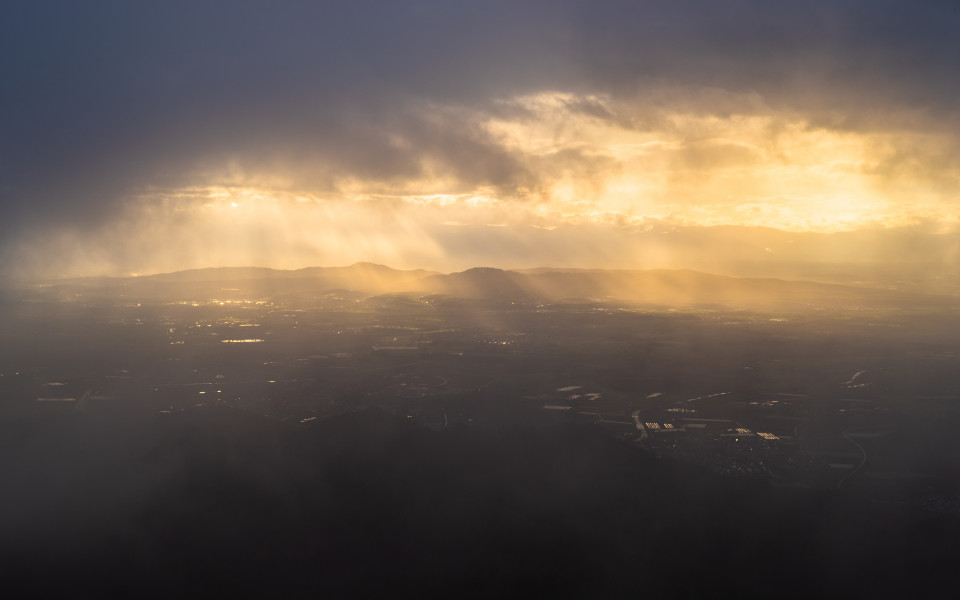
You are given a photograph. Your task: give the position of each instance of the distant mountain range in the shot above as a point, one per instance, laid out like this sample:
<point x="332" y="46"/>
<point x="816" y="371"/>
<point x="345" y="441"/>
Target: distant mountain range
<point x="664" y="288"/>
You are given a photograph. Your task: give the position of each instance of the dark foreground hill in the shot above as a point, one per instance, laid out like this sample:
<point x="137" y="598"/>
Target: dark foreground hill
<point x="221" y="504"/>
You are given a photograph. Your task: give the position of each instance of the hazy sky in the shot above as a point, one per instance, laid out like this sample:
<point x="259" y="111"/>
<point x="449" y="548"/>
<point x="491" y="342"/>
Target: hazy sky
<point x="145" y="137"/>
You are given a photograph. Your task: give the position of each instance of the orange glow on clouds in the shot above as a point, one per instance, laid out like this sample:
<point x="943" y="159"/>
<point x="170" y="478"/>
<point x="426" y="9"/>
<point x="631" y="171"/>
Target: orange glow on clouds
<point x="761" y="169"/>
<point x="591" y="162"/>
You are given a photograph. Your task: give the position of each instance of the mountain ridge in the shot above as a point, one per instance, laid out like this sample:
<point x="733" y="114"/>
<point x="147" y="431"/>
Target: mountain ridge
<point x="660" y="287"/>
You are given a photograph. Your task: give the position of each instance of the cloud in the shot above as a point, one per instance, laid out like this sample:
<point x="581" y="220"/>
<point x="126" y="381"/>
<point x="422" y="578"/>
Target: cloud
<point x="809" y="114"/>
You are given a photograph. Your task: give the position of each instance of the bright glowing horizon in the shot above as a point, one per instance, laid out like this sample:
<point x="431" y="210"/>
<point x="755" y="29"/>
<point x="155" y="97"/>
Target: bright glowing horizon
<point x="571" y="141"/>
<point x="594" y="171"/>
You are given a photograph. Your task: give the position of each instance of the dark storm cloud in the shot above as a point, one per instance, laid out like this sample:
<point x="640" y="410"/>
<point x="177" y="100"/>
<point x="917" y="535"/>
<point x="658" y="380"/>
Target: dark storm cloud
<point x="103" y="98"/>
<point x="99" y="97"/>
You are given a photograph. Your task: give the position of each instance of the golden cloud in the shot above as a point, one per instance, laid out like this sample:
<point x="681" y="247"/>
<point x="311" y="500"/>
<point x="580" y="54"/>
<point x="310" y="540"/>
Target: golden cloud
<point x="546" y="162"/>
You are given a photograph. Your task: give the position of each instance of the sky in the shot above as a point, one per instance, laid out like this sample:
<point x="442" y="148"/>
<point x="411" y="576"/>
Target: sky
<point x="152" y="137"/>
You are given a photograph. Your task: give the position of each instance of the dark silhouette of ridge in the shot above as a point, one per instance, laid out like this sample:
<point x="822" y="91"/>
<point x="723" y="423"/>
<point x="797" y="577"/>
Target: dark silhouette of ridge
<point x="481" y="283"/>
<point x="653" y="287"/>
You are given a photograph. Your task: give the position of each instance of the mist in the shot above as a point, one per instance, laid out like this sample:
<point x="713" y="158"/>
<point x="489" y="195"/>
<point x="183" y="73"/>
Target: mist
<point x="579" y="299"/>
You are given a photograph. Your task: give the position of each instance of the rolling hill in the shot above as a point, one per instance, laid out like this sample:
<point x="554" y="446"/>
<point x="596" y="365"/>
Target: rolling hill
<point x="664" y="288"/>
